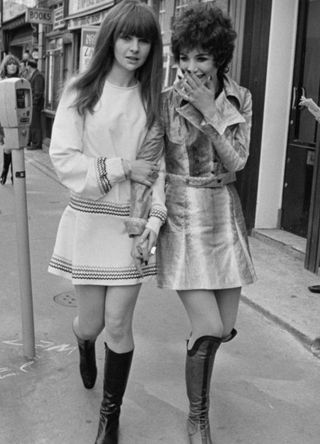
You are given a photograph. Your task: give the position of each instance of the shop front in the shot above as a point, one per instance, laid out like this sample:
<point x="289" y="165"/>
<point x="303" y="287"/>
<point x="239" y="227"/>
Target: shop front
<point x="301" y="190"/>
<point x="18" y="35"/>
<point x="281" y="185"/>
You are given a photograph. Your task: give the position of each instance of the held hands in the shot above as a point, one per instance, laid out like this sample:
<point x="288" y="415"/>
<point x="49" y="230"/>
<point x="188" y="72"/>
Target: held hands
<point x="143" y="247"/>
<point x="142" y="171"/>
<point x="199" y="93"/>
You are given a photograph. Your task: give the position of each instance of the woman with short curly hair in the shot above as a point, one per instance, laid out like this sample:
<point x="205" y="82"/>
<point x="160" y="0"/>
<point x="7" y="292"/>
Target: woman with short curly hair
<point x="202" y="250"/>
<point x="215" y="32"/>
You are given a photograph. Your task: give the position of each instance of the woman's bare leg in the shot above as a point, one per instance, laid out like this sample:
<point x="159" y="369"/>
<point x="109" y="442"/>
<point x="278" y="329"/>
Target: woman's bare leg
<point x="228" y="303"/>
<point x="91" y="306"/>
<point x="119" y="309"/>
<point x="203" y="312"/>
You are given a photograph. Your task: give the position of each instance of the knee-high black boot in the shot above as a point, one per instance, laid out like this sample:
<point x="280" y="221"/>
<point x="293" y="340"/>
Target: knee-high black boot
<point x="88" y="367"/>
<point x="199" y="365"/>
<point x="116" y="373"/>
<point x="7" y="158"/>
<point x="230" y="336"/>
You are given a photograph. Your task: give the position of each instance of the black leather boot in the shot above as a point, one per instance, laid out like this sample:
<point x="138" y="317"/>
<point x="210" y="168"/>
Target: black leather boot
<point x="7" y="158"/>
<point x="230" y="336"/>
<point x="88" y="367"/>
<point x="199" y="365"/>
<point x="116" y="373"/>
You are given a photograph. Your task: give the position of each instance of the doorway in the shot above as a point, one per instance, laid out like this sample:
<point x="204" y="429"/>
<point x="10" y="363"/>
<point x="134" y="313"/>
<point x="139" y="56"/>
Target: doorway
<point x="304" y="131"/>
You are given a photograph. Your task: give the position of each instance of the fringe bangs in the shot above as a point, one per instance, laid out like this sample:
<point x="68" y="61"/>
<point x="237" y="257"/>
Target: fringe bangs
<point x="138" y="22"/>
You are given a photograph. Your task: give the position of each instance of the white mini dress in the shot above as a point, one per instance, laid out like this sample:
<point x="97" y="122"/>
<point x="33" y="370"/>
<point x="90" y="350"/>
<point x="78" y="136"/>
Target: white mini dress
<point x="92" y="245"/>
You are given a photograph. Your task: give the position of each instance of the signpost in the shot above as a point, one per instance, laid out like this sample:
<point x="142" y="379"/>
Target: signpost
<point x="41" y="17"/>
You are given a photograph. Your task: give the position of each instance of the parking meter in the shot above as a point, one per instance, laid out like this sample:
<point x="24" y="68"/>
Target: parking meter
<point x="15" y="111"/>
<point x="15" y="118"/>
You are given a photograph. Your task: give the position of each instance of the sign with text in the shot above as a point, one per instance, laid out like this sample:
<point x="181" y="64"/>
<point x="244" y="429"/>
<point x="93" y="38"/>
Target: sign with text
<point x="38" y="15"/>
<point x="79" y="6"/>
<point x="88" y="38"/>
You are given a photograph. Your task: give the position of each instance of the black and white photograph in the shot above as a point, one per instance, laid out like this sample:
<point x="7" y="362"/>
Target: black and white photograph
<point x="159" y="221"/>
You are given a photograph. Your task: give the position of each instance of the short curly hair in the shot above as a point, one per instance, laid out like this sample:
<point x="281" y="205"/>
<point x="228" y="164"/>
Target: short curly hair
<point x="204" y="26"/>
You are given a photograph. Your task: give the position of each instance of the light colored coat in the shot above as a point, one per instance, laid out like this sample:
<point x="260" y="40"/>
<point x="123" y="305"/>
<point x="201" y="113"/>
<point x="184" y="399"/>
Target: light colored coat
<point x="203" y="243"/>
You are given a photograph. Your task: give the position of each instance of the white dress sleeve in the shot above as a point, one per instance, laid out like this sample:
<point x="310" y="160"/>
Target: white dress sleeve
<point x="91" y="177"/>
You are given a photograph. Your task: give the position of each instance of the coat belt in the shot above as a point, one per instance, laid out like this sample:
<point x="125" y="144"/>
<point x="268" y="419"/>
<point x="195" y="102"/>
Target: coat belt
<point x="212" y="181"/>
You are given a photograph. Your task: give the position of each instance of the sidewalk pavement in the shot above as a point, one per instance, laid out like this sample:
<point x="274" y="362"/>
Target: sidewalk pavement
<point x="280" y="293"/>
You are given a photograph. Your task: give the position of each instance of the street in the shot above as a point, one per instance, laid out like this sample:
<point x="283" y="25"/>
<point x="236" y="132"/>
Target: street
<point x="265" y="385"/>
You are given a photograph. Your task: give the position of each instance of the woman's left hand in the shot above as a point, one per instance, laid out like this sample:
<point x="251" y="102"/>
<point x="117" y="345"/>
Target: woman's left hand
<point x="200" y="94"/>
<point x="142" y="248"/>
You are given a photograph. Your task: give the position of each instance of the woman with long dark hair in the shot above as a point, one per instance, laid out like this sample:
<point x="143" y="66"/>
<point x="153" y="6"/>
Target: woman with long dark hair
<point x="102" y="119"/>
<point x="9" y="68"/>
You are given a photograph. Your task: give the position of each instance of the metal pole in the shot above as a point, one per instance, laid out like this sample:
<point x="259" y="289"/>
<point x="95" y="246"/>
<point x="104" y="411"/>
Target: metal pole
<point x="19" y="178"/>
<point x="40" y="47"/>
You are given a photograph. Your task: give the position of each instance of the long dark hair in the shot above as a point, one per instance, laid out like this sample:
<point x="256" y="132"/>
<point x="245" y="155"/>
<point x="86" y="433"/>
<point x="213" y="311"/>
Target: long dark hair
<point x="129" y="17"/>
<point x="5" y="62"/>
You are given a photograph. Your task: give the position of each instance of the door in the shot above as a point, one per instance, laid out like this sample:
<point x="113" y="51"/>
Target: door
<point x="303" y="129"/>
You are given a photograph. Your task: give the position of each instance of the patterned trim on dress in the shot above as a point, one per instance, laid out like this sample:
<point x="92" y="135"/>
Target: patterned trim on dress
<point x="100" y="273"/>
<point x="160" y="213"/>
<point x="102" y="174"/>
<point x="61" y="264"/>
<point x="96" y="207"/>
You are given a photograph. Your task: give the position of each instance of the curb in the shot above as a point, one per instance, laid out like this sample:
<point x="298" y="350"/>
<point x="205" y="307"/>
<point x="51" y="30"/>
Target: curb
<point x="312" y="345"/>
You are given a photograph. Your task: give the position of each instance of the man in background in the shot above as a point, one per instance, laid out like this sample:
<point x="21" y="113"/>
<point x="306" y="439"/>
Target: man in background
<point x="36" y="80"/>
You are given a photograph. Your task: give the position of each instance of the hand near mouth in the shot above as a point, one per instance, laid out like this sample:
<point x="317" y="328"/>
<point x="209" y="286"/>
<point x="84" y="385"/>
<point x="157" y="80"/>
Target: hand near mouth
<point x="199" y="92"/>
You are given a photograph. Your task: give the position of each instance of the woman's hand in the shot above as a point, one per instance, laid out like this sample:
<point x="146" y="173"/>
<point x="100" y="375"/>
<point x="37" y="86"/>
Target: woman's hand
<point x="200" y="94"/>
<point x="1" y="139"/>
<point x="143" y="247"/>
<point x="310" y="104"/>
<point x="144" y="171"/>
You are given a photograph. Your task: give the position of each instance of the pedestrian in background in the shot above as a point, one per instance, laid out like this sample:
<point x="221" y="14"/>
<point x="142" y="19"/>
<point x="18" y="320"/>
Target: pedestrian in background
<point x="202" y="250"/>
<point x="36" y="80"/>
<point x="9" y="68"/>
<point x="23" y="64"/>
<point x="101" y="121"/>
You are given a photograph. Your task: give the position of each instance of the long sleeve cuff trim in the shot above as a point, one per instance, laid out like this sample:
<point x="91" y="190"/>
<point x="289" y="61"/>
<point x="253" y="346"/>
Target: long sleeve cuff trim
<point x="159" y="213"/>
<point x="102" y="175"/>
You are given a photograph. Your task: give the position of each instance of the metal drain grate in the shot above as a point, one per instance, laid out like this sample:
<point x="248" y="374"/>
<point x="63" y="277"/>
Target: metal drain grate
<point x="67" y="299"/>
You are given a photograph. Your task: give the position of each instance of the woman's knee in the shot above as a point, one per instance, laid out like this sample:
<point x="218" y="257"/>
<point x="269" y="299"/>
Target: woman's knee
<point x="208" y="327"/>
<point x="216" y="329"/>
<point x="90" y="328"/>
<point x="117" y="327"/>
